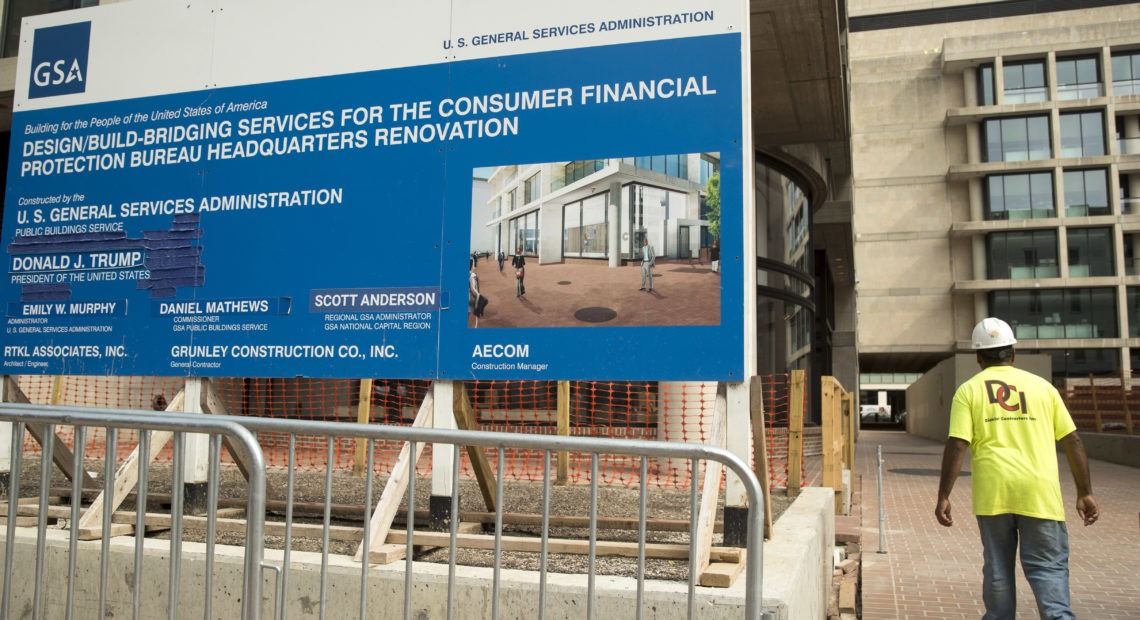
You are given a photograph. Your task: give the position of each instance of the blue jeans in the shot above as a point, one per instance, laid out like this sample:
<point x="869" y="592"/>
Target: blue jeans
<point x="1044" y="559"/>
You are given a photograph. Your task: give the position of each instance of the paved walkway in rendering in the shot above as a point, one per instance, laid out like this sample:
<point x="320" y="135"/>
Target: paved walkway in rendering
<point x="590" y="293"/>
<point x="929" y="571"/>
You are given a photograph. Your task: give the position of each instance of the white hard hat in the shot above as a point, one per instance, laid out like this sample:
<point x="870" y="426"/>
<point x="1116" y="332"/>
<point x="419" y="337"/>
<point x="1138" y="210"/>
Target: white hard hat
<point x="993" y="333"/>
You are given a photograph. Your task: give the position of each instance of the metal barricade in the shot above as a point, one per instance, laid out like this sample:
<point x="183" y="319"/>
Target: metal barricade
<point x="45" y="420"/>
<point x="243" y="429"/>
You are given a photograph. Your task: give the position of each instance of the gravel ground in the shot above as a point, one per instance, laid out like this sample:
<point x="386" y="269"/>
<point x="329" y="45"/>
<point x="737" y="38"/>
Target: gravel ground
<point x="348" y="494"/>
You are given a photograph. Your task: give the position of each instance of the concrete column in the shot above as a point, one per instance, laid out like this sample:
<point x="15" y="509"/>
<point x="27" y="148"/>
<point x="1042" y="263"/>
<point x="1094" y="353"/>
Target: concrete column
<point x="970" y="87"/>
<point x="197" y="453"/>
<point x="442" y="457"/>
<point x="977" y="200"/>
<point x="978" y="252"/>
<point x="616" y="224"/>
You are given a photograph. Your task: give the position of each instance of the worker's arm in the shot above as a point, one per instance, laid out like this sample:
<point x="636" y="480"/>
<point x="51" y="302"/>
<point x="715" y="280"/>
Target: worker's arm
<point x="1079" y="465"/>
<point x="952" y="456"/>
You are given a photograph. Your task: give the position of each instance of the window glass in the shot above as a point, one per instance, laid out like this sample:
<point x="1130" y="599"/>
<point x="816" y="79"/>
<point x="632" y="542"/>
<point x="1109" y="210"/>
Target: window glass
<point x="1022" y="254"/>
<point x="1086" y="192"/>
<point x="1126" y="73"/>
<point x="1017" y="138"/>
<point x="986" y="85"/>
<point x="1133" y="316"/>
<point x="1057" y="313"/>
<point x="1090" y="252"/>
<point x="1019" y="196"/>
<point x="1078" y="78"/>
<point x="1082" y="134"/>
<point x="532" y="190"/>
<point x="1025" y="82"/>
<point x="1131" y="255"/>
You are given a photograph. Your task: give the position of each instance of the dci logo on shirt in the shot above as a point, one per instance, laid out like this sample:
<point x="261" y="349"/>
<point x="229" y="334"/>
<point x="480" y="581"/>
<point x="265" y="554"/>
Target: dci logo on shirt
<point x="59" y="60"/>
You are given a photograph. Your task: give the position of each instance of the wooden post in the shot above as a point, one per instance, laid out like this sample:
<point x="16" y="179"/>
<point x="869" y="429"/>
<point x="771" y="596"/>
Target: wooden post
<point x="760" y="449"/>
<point x="402" y="472"/>
<point x="562" y="475"/>
<point x="796" y="433"/>
<point x="710" y="490"/>
<point x="829" y="409"/>
<point x="465" y="420"/>
<point x="849" y="430"/>
<point x="363" y="416"/>
<point x="62" y="456"/>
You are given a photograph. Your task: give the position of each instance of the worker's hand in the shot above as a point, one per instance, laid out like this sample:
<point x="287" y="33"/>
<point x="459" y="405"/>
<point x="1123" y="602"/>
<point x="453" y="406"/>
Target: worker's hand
<point x="1087" y="509"/>
<point x="942" y="512"/>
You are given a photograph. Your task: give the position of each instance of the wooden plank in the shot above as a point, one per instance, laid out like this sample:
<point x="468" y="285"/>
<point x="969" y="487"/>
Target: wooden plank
<point x="829" y="411"/>
<point x="465" y="420"/>
<point x="721" y="574"/>
<point x="528" y="544"/>
<point x="127" y="476"/>
<point x="402" y="471"/>
<point x="61" y="455"/>
<point x="847" y="590"/>
<point x="796" y="433"/>
<point x="760" y="449"/>
<point x="710" y="491"/>
<point x="363" y="416"/>
<point x="562" y="475"/>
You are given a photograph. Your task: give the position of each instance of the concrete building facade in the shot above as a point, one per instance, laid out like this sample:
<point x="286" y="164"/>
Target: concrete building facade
<point x="996" y="173"/>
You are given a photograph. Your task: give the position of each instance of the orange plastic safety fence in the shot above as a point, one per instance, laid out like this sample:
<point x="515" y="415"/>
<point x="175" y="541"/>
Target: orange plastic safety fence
<point x="643" y="410"/>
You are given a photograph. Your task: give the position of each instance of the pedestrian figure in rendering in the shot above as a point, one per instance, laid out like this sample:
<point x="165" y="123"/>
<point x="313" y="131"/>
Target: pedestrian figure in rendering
<point x="518" y="261"/>
<point x="1010" y="420"/>
<point x="476" y="302"/>
<point x="648" y="260"/>
<point x="714" y="256"/>
<point x="502" y="259"/>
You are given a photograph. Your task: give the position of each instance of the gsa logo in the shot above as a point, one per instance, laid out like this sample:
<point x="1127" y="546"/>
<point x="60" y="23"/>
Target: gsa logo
<point x="59" y="60"/>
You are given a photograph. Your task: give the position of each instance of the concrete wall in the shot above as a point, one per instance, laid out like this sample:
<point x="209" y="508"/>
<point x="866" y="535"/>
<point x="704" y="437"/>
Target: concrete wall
<point x="797" y="580"/>
<point x="1119" y="449"/>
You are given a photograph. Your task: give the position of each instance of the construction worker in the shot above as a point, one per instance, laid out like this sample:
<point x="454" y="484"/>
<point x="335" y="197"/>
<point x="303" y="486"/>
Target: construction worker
<point x="1010" y="420"/>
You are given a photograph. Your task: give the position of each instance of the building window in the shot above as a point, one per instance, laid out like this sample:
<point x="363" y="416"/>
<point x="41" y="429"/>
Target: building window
<point x="1019" y="196"/>
<point x="1125" y="146"/>
<point x="671" y="165"/>
<point x="512" y="200"/>
<point x="1078" y="78"/>
<point x="1017" y="139"/>
<point x="709" y="168"/>
<point x="1057" y="313"/>
<point x="1082" y="134"/>
<point x="1020" y="255"/>
<point x="1134" y="315"/>
<point x="524" y="233"/>
<point x="1025" y="82"/>
<point x="1128" y="204"/>
<point x="1082" y="363"/>
<point x="1086" y="192"/>
<point x="532" y="190"/>
<point x="1126" y="73"/>
<point x="584" y="230"/>
<point x="576" y="171"/>
<point x="1090" y="252"/>
<point x="1131" y="256"/>
<point x="986" y="85"/>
